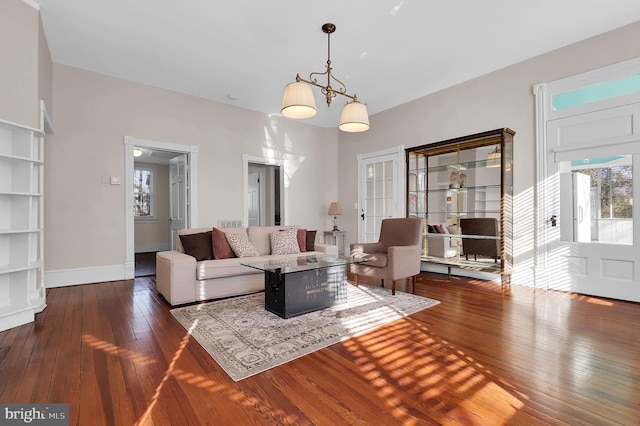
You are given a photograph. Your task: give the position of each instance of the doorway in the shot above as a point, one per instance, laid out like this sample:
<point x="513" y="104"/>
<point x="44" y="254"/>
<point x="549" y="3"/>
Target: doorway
<point x="181" y="161"/>
<point x="588" y="150"/>
<point x="380" y="186"/>
<point x="263" y="186"/>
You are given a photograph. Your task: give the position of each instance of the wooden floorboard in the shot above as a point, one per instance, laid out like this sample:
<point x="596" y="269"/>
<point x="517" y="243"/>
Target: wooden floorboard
<point x="486" y="355"/>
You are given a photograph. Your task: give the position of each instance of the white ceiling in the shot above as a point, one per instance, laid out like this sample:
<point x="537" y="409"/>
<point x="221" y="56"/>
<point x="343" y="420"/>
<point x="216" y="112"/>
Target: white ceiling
<point x="388" y="52"/>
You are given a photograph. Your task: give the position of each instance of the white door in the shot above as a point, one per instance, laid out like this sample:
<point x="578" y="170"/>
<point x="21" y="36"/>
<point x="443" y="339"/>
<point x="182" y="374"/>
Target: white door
<point x="177" y="196"/>
<point x="254" y="199"/>
<point x="592" y="236"/>
<point x="380" y="186"/>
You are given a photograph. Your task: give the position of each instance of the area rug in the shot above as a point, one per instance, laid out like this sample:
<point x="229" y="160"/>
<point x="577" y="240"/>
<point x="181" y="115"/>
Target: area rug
<point x="245" y="339"/>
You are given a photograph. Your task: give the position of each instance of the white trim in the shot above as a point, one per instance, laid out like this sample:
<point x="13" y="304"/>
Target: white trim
<point x="79" y="276"/>
<point x="284" y="207"/>
<point x="192" y="189"/>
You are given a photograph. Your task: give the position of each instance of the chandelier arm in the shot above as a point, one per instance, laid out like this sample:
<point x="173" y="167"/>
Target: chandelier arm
<point x="314" y="83"/>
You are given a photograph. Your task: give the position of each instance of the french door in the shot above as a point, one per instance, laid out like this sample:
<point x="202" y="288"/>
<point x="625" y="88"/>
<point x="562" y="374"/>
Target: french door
<point x="178" y="202"/>
<point x="591" y="233"/>
<point x="379" y="191"/>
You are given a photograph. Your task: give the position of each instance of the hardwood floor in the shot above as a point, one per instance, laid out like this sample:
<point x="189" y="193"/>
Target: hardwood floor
<point x="484" y="356"/>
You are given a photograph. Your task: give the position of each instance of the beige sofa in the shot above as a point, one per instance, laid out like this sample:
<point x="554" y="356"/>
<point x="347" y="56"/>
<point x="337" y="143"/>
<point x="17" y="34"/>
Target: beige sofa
<point x="181" y="279"/>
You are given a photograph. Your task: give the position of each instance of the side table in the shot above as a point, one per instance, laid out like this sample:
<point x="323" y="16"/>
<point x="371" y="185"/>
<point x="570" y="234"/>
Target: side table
<point x="331" y="237"/>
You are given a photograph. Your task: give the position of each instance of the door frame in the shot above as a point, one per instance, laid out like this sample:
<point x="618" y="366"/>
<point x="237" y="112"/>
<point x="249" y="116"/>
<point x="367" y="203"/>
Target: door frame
<point x="246" y="159"/>
<point x="544" y="113"/>
<point x="191" y="197"/>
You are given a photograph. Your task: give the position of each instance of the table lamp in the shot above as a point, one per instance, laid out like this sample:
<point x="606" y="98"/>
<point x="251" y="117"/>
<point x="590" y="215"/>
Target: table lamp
<point x="335" y="210"/>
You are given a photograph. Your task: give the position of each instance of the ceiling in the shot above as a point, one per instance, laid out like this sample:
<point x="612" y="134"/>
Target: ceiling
<point x="387" y="52"/>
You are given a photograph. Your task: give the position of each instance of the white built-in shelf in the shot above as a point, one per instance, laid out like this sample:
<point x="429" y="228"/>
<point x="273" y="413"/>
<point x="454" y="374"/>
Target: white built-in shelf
<point x="22" y="290"/>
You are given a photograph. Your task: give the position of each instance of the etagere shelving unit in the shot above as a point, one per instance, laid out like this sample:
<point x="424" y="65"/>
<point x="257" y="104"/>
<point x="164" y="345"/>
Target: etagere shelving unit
<point x="465" y="185"/>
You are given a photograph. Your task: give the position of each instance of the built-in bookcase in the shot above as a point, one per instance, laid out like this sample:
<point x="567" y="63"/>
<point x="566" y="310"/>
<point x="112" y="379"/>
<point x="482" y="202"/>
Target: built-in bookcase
<point x="22" y="290"/>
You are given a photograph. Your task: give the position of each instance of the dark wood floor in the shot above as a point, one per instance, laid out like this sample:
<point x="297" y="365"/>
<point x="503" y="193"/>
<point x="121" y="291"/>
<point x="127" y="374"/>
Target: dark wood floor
<point x="145" y="264"/>
<point x="484" y="356"/>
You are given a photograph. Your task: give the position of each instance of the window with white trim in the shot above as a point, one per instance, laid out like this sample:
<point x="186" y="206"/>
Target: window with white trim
<point x="144" y="196"/>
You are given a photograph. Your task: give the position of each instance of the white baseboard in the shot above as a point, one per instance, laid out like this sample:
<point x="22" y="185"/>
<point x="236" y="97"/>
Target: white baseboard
<point x="68" y="277"/>
<point x="148" y="248"/>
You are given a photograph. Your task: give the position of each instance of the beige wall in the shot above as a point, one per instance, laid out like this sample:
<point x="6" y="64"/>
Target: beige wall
<point x="154" y="235"/>
<point x="85" y="218"/>
<point x="501" y="99"/>
<point x="19" y="24"/>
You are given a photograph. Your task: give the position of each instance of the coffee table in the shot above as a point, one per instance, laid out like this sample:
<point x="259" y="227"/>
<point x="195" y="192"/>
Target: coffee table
<point x="303" y="284"/>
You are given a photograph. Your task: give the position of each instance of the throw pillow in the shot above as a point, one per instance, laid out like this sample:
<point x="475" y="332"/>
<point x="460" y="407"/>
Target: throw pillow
<point x="241" y="246"/>
<point x="198" y="245"/>
<point x="221" y="247"/>
<point x="439" y="229"/>
<point x="311" y="240"/>
<point x="302" y="240"/>
<point x="453" y="228"/>
<point x="285" y="242"/>
<point x="431" y="229"/>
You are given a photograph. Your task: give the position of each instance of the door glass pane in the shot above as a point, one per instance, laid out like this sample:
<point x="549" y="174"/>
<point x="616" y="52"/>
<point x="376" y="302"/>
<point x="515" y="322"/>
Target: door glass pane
<point x="601" y="192"/>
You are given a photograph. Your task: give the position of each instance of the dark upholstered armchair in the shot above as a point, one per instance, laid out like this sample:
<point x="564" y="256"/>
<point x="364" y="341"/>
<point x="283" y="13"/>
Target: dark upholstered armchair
<point x="396" y="255"/>
<point x="485" y="226"/>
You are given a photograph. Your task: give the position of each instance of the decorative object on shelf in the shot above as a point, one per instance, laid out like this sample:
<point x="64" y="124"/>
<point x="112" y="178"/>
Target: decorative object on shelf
<point x="335" y="210"/>
<point x="454" y="180"/>
<point x="493" y="159"/>
<point x="298" y="101"/>
<point x="463" y="180"/>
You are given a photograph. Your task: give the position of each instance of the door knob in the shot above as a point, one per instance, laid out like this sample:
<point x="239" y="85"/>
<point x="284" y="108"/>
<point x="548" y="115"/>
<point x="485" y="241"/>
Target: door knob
<point x="554" y="220"/>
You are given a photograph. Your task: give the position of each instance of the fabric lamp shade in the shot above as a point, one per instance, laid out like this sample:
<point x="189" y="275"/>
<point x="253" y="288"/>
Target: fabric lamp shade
<point x="298" y="101"/>
<point x="354" y="118"/>
<point x="335" y="209"/>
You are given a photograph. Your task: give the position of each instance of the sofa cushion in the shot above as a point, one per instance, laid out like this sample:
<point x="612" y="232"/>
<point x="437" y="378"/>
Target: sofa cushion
<point x="302" y="240"/>
<point x="241" y="246"/>
<point x="285" y="242"/>
<point x="221" y="247"/>
<point x="198" y="245"/>
<point x="311" y="240"/>
<point x="260" y="237"/>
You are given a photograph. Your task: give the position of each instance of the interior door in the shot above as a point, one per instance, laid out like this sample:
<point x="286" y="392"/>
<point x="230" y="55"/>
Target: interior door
<point x="177" y="196"/>
<point x="379" y="191"/>
<point x="592" y="235"/>
<point x="254" y="199"/>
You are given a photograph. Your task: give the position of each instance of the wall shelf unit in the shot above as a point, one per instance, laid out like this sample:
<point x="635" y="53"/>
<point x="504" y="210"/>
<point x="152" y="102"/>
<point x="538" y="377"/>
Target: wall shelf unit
<point x="463" y="188"/>
<point x="22" y="290"/>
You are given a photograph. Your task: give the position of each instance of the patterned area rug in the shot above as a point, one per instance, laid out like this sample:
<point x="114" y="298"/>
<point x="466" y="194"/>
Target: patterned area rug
<point x="245" y="339"/>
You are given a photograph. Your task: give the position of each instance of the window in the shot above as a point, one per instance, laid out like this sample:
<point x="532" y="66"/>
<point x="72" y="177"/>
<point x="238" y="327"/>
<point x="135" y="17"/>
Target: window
<point x="597" y="92"/>
<point x="610" y="183"/>
<point x="144" y="180"/>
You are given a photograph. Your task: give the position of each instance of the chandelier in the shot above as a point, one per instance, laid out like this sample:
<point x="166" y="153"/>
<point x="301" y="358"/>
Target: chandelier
<point x="298" y="101"/>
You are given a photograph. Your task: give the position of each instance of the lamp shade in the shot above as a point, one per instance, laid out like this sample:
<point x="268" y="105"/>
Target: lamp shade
<point x="335" y="209"/>
<point x="298" y="101"/>
<point x="354" y="118"/>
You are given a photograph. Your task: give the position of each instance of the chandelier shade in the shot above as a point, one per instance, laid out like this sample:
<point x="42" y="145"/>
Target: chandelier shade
<point x="354" y="117"/>
<point x="298" y="101"/>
